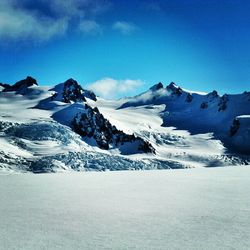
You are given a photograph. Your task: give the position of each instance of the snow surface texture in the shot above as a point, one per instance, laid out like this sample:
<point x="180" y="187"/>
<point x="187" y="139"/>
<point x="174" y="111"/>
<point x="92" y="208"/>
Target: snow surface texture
<point x="182" y="209"/>
<point x="36" y="132"/>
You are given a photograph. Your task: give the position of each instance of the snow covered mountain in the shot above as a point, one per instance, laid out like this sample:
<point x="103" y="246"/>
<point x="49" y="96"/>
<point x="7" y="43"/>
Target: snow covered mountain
<point x="69" y="128"/>
<point x="201" y="113"/>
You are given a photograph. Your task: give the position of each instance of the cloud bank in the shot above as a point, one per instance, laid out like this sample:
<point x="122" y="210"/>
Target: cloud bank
<point x="42" y="20"/>
<point x="111" y="88"/>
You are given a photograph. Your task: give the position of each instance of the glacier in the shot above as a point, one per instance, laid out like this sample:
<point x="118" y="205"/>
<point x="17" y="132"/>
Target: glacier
<point x="68" y="128"/>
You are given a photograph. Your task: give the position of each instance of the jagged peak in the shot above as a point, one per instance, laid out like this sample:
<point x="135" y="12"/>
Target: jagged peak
<point x="213" y="94"/>
<point x="20" y="85"/>
<point x="174" y="89"/>
<point x="72" y="91"/>
<point x="71" y="81"/>
<point x="29" y="81"/>
<point x="172" y="85"/>
<point x="156" y="87"/>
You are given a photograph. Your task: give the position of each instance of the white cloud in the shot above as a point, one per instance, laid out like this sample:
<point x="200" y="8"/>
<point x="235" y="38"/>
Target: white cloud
<point x="45" y="19"/>
<point x="90" y="27"/>
<point x="124" y="27"/>
<point x="18" y="25"/>
<point x="110" y="88"/>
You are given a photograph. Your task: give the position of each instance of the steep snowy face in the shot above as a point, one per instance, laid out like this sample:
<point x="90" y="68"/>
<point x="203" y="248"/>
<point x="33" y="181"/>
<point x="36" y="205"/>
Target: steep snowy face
<point x="240" y="133"/>
<point x="71" y="91"/>
<point x="158" y="95"/>
<point x="195" y="112"/>
<point x="45" y="130"/>
<point x="70" y="99"/>
<point x="91" y="123"/>
<point x="21" y="86"/>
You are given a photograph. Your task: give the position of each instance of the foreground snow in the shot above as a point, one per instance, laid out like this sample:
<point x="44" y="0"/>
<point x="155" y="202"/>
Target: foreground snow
<point x="174" y="209"/>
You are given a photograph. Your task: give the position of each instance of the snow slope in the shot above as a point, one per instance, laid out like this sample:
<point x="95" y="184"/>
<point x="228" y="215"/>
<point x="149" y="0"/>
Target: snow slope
<point x="240" y="133"/>
<point x="196" y="112"/>
<point x="36" y="132"/>
<point x="182" y="209"/>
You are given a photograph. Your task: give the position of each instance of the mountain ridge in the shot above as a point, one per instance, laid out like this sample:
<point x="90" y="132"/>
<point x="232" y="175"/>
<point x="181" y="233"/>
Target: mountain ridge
<point x="160" y="128"/>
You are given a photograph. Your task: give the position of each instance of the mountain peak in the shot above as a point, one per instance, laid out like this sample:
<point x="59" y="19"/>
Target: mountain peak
<point x="71" y="81"/>
<point x="20" y="85"/>
<point x="29" y="81"/>
<point x="156" y="87"/>
<point x="71" y="91"/>
<point x="172" y="85"/>
<point x="173" y="88"/>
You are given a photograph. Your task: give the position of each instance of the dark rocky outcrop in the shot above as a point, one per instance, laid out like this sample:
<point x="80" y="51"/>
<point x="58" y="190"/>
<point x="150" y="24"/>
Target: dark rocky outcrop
<point x="235" y="127"/>
<point x="90" y="94"/>
<point x="157" y="87"/>
<point x="174" y="89"/>
<point x="4" y="85"/>
<point x="91" y="123"/>
<point x="71" y="91"/>
<point x="204" y="105"/>
<point x="189" y="98"/>
<point x="213" y="94"/>
<point x="223" y="103"/>
<point x="20" y="86"/>
<point x="247" y="93"/>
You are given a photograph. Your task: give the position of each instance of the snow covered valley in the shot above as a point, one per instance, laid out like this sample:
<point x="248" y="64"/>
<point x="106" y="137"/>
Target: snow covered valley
<point x="200" y="208"/>
<point x="200" y="202"/>
<point x="68" y="128"/>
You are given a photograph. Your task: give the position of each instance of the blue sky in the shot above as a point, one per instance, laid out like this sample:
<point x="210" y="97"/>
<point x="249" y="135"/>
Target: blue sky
<point x="124" y="47"/>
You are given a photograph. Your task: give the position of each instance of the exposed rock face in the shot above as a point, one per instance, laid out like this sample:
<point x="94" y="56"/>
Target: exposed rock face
<point x="89" y="122"/>
<point x="4" y="85"/>
<point x="72" y="92"/>
<point x="204" y="105"/>
<point x="174" y="89"/>
<point x="247" y="93"/>
<point x="235" y="127"/>
<point x="213" y="94"/>
<point x="90" y="94"/>
<point x="240" y="134"/>
<point x="223" y="103"/>
<point x="189" y="98"/>
<point x="20" y="85"/>
<point x="93" y="124"/>
<point x="157" y="86"/>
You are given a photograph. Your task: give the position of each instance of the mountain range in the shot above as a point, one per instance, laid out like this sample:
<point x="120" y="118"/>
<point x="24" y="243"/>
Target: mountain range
<point x="69" y="128"/>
